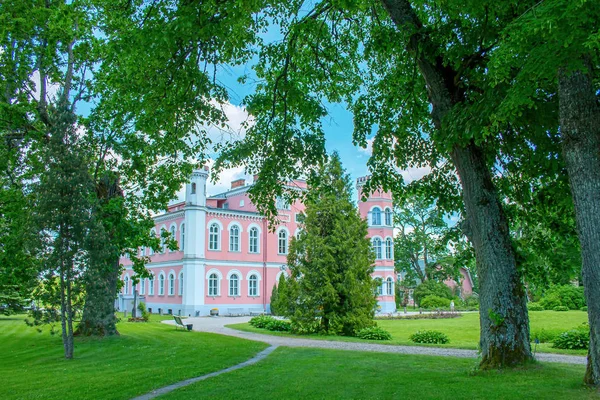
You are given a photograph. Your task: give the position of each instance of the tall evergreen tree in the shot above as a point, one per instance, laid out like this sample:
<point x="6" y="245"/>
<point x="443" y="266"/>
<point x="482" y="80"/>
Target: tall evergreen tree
<point x="332" y="260"/>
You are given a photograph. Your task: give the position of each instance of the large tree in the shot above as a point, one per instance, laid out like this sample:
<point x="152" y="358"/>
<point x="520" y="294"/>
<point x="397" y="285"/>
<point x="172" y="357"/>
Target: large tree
<point x="332" y="260"/>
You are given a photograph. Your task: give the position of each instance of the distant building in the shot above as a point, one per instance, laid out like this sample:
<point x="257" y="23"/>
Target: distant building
<point x="229" y="259"/>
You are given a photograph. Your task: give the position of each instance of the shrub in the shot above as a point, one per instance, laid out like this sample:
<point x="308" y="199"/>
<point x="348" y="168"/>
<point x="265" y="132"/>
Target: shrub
<point x="573" y="339"/>
<point x="261" y="321"/>
<point x="550" y="302"/>
<point x="584" y="308"/>
<point x="472" y="301"/>
<point x="142" y="308"/>
<point x="374" y="333"/>
<point x="566" y="295"/>
<point x="435" y="302"/>
<point x="279" y="325"/>
<point x="433" y="337"/>
<point x="535" y="307"/>
<point x="431" y="288"/>
<point x="544" y="335"/>
<point x="561" y="308"/>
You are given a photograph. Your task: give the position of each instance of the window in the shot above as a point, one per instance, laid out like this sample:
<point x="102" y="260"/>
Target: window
<point x="390" y="286"/>
<point x="213" y="237"/>
<point x="253" y="285"/>
<point x="173" y="229"/>
<point x="283" y="242"/>
<point x="379" y="286"/>
<point x="161" y="285"/>
<point x="171" y="284"/>
<point x="152" y="234"/>
<point x="181" y="283"/>
<point x="151" y="286"/>
<point x="182" y="237"/>
<point x="125" y="285"/>
<point x="253" y="240"/>
<point x="193" y="188"/>
<point x="377" y="248"/>
<point x="143" y="286"/>
<point x="234" y="288"/>
<point x="241" y="203"/>
<point x="376" y="216"/>
<point x="389" y="249"/>
<point x="234" y="238"/>
<point x="388" y="217"/>
<point x="163" y="240"/>
<point x="282" y="204"/>
<point x="213" y="285"/>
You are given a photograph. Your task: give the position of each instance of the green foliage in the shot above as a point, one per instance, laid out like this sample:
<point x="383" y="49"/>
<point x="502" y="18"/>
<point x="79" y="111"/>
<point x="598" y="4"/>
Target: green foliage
<point x="535" y="306"/>
<point x="280" y="297"/>
<point x="274" y="300"/>
<point x="374" y="333"/>
<point x="332" y="261"/>
<point x="261" y="321"/>
<point x="583" y="308"/>
<point x="544" y="335"/>
<point x="472" y="301"/>
<point x="279" y="325"/>
<point x="561" y="308"/>
<point x="431" y="288"/>
<point x="568" y="296"/>
<point x="142" y="308"/>
<point x="433" y="301"/>
<point x="550" y="302"/>
<point x="431" y="337"/>
<point x="573" y="339"/>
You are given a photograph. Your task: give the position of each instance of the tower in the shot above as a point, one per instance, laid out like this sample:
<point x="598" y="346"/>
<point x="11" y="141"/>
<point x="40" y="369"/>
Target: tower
<point x="377" y="208"/>
<point x="194" y="263"/>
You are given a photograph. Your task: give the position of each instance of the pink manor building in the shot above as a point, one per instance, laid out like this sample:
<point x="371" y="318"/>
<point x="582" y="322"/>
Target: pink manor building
<point x="228" y="258"/>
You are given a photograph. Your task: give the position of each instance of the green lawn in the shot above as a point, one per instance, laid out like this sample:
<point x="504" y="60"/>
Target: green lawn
<point x="146" y="356"/>
<point x="463" y="331"/>
<point x="291" y="373"/>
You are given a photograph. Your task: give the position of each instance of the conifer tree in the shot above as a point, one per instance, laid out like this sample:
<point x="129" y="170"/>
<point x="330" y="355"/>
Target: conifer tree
<point x="331" y="289"/>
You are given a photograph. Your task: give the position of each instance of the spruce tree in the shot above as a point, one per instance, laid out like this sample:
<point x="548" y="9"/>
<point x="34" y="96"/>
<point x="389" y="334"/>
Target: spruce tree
<point x="332" y="261"/>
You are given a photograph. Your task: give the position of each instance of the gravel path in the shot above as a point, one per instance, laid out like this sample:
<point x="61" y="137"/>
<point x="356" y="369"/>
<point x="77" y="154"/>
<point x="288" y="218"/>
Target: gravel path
<point x="217" y="325"/>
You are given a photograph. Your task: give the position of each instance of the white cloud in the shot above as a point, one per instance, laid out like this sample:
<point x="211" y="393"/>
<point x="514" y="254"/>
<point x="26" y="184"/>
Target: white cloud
<point x="369" y="149"/>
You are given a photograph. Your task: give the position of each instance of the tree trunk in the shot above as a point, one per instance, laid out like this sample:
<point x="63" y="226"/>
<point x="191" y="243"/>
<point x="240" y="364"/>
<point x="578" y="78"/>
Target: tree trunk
<point x="503" y="311"/>
<point x="580" y="131"/>
<point x="503" y="316"/>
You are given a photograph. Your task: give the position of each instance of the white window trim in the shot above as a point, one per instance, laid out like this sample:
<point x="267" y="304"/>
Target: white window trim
<point x="258" y="280"/>
<point x="385" y="216"/>
<point x="219" y="234"/>
<point x="163" y="242"/>
<point x="180" y="279"/>
<point x="151" y="286"/>
<point x="219" y="279"/>
<point x="259" y="235"/>
<point x="173" y="234"/>
<point x="164" y="278"/>
<point x="381" y="247"/>
<point x="391" y="248"/>
<point x="182" y="236"/>
<point x="171" y="272"/>
<point x="287" y="245"/>
<point x="126" y="285"/>
<point x="240" y="231"/>
<point x="371" y="216"/>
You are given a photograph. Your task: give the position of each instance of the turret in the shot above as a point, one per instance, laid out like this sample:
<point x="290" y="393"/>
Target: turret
<point x="195" y="191"/>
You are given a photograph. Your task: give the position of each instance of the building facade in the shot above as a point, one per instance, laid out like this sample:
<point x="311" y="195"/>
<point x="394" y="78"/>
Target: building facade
<point x="229" y="259"/>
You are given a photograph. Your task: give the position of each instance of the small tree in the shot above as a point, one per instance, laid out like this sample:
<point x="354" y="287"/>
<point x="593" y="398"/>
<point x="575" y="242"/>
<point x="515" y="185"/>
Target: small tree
<point x="331" y="288"/>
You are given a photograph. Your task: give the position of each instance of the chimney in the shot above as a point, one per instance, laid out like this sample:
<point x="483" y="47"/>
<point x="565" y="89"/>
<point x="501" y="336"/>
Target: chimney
<point x="238" y="183"/>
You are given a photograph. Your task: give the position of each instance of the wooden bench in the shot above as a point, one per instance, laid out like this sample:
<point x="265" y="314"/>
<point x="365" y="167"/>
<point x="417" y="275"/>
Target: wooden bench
<point x="179" y="323"/>
<point x="235" y="311"/>
<point x="256" y="311"/>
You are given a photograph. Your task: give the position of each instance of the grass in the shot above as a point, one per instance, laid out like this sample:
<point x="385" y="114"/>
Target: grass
<point x="463" y="332"/>
<point x="144" y="357"/>
<point x="292" y="373"/>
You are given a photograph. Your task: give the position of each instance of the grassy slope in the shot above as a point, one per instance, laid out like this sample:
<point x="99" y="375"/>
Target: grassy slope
<point x="327" y="374"/>
<point x="463" y="332"/>
<point x="146" y="356"/>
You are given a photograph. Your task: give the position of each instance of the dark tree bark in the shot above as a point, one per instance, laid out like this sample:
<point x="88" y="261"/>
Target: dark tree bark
<point x="580" y="132"/>
<point x="504" y="320"/>
<point x="103" y="270"/>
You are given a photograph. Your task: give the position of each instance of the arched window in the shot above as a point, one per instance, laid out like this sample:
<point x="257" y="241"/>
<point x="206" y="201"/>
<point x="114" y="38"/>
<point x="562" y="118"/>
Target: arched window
<point x="253" y="285"/>
<point x="283" y="242"/>
<point x="143" y="286"/>
<point x="193" y="188"/>
<point x="171" y="284"/>
<point x="253" y="240"/>
<point x="234" y="238"/>
<point x="125" y="285"/>
<point x="181" y="283"/>
<point x="152" y="234"/>
<point x="379" y="289"/>
<point x="213" y="237"/>
<point x="173" y="230"/>
<point x="234" y="285"/>
<point x="376" y="216"/>
<point x="182" y="237"/>
<point x="213" y="285"/>
<point x="389" y="249"/>
<point x="163" y="240"/>
<point x="377" y="248"/>
<point x="161" y="285"/>
<point x="388" y="216"/>
<point x="390" y="286"/>
<point x="151" y="286"/>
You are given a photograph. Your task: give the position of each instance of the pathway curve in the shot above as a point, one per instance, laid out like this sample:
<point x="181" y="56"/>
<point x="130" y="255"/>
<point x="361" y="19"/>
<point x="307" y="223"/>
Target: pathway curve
<point x="170" y="388"/>
<point x="217" y="325"/>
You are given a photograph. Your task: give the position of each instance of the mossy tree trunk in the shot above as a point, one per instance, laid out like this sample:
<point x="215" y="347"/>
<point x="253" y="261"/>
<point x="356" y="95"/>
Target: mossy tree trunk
<point x="580" y="131"/>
